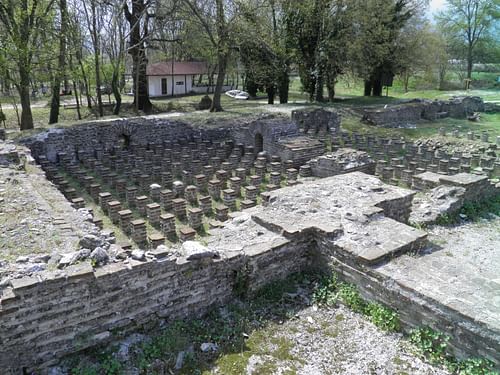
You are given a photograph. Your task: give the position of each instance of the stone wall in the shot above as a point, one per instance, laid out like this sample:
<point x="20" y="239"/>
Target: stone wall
<point x="152" y="131"/>
<point x="271" y="130"/>
<point x="354" y="220"/>
<point x="317" y="120"/>
<point x="342" y="161"/>
<point x="42" y="321"/>
<point x="467" y="337"/>
<point x="409" y="113"/>
<point x="299" y="149"/>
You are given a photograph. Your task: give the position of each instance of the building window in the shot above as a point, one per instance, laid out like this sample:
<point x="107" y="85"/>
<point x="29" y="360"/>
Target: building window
<point x="179" y="83"/>
<point x="164" y="88"/>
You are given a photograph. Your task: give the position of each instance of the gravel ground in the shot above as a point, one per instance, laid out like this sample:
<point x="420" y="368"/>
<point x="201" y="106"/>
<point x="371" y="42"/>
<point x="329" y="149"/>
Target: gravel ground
<point x="334" y="341"/>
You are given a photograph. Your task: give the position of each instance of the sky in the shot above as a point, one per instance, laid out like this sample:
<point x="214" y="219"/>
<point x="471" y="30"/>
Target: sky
<point x="435" y="6"/>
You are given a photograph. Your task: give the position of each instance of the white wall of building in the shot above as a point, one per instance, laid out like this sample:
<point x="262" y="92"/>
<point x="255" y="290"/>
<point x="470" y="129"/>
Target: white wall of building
<point x="203" y="89"/>
<point x="182" y="85"/>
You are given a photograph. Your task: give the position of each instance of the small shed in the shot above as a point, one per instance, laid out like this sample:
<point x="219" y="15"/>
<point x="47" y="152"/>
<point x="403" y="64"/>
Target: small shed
<point x="171" y="78"/>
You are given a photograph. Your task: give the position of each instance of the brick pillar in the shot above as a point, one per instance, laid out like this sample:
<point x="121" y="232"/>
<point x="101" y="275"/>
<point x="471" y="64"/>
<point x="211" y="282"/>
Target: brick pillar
<point x="179" y="205"/>
<point x="113" y="208"/>
<point x="125" y="218"/>
<point x="153" y="211"/>
<point x="139" y="234"/>
<point x="195" y="218"/>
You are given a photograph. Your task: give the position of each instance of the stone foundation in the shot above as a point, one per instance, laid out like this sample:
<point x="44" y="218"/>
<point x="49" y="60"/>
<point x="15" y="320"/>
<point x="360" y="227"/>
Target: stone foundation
<point x="354" y="220"/>
<point x="401" y="115"/>
<point x="342" y="161"/>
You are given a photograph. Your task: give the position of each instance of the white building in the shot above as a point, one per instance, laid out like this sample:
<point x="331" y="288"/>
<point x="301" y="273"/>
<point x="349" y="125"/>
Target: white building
<point x="174" y="78"/>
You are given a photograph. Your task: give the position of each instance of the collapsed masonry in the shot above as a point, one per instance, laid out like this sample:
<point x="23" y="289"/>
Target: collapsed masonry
<point x="156" y="187"/>
<point x="402" y="115"/>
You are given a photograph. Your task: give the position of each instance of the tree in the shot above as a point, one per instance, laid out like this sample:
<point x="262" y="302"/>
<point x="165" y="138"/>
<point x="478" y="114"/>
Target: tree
<point x="139" y="20"/>
<point x="469" y="21"/>
<point x="218" y="28"/>
<point x="24" y="21"/>
<point x="92" y="17"/>
<point x="264" y="53"/>
<point x="305" y="26"/>
<point x="114" y="45"/>
<point x="319" y="32"/>
<point x="61" y="73"/>
<point x="374" y="48"/>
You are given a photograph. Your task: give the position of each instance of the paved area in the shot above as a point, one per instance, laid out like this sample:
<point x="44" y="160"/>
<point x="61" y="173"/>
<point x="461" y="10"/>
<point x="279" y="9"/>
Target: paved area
<point x="460" y="270"/>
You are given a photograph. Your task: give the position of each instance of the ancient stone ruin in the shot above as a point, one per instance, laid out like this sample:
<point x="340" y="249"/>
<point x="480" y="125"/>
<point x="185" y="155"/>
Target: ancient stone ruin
<point x="191" y="211"/>
<point x="409" y="113"/>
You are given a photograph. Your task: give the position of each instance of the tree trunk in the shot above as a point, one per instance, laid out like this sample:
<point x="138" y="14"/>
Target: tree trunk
<point x="221" y="72"/>
<point x="116" y="91"/>
<point x="330" y="86"/>
<point x="470" y="63"/>
<point x="442" y="76"/>
<point x="24" y="94"/>
<point x="406" y="80"/>
<point x="86" y="84"/>
<point x="222" y="55"/>
<point x="319" y="81"/>
<point x="95" y="42"/>
<point x="250" y="86"/>
<point x="284" y="87"/>
<point x="56" y="100"/>
<point x="77" y="101"/>
<point x="377" y="87"/>
<point x="138" y="54"/>
<point x="368" y="88"/>
<point x="98" y="84"/>
<point x="318" y="97"/>
<point x="270" y="94"/>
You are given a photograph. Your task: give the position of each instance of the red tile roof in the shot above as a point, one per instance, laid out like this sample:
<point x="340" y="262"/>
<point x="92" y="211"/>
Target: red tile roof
<point x="180" y="68"/>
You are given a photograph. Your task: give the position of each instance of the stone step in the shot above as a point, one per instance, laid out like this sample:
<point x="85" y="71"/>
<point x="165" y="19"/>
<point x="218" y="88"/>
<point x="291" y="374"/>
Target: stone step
<point x="379" y="239"/>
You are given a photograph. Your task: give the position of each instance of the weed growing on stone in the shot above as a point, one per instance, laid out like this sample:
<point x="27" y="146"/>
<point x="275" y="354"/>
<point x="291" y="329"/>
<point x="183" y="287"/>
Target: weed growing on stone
<point x="472" y="211"/>
<point x="473" y="366"/>
<point x="326" y="292"/>
<point x="383" y="317"/>
<point x="242" y="329"/>
<point x="433" y="346"/>
<point x="330" y="290"/>
<point x="431" y="343"/>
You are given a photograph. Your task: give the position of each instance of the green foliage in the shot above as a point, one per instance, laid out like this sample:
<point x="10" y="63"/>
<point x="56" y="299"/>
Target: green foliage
<point x="350" y="297"/>
<point x="108" y="365"/>
<point x="329" y="290"/>
<point x="473" y="211"/>
<point x="473" y="366"/>
<point x="241" y="281"/>
<point x="326" y="292"/>
<point x="433" y="345"/>
<point x="84" y="371"/>
<point x="430" y="343"/>
<point x="383" y="317"/>
<point x="230" y="331"/>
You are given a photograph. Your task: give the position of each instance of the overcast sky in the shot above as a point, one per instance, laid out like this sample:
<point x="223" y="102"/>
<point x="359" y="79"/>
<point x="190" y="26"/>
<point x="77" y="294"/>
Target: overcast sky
<point x="436" y="5"/>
